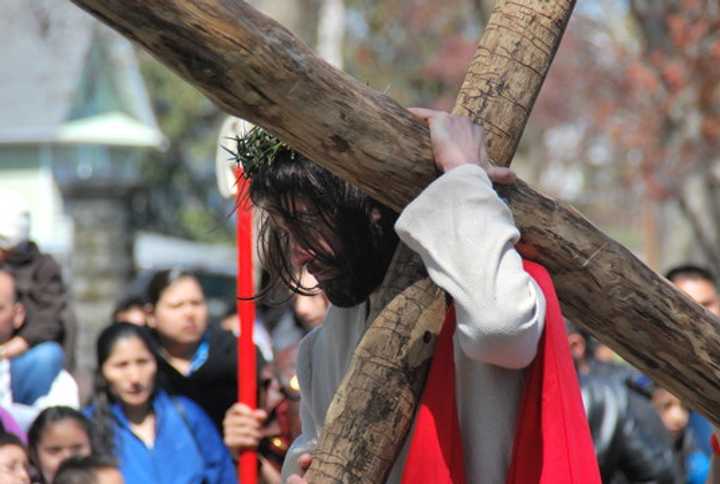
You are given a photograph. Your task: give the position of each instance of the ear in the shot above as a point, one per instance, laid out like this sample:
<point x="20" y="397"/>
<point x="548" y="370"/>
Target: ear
<point x="375" y="215"/>
<point x="149" y="316"/>
<point x="19" y="317"/>
<point x="577" y="346"/>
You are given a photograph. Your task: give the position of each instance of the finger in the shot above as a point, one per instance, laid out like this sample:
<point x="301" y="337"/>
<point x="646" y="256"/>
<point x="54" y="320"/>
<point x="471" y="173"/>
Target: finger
<point x="295" y="479"/>
<point x="246" y="439"/>
<point x="261" y="415"/>
<point x="241" y="444"/>
<point x="253" y="431"/>
<point x="239" y="409"/>
<point x="501" y="175"/>
<point x="243" y="422"/>
<point x="425" y="113"/>
<point x="304" y="461"/>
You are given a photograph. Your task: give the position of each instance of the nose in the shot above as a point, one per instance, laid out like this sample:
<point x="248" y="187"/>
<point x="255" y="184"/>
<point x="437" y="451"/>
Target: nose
<point x="188" y="310"/>
<point x="133" y="375"/>
<point x="66" y="453"/>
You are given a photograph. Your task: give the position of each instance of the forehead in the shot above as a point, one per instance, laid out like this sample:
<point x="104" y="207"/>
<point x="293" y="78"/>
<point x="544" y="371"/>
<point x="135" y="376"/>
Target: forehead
<point x="12" y="451"/>
<point x="661" y="395"/>
<point x="64" y="429"/>
<point x="7" y="281"/>
<point x="698" y="289"/>
<point x="128" y="347"/>
<point x="181" y="286"/>
<point x="109" y="475"/>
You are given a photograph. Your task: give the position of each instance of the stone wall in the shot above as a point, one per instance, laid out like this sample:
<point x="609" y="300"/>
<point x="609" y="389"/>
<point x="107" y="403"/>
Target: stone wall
<point x="101" y="265"/>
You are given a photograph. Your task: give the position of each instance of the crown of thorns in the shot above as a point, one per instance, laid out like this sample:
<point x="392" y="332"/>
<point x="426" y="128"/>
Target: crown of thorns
<point x="257" y="149"/>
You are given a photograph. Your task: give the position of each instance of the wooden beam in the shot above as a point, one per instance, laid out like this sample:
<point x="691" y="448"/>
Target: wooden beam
<point x="255" y="69"/>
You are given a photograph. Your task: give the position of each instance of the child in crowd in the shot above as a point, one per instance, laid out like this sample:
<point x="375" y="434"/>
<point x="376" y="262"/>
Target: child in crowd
<point x="156" y="438"/>
<point x="14" y="466"/>
<point x="34" y="380"/>
<point x="92" y="469"/>
<point x="674" y="414"/>
<point x="57" y="434"/>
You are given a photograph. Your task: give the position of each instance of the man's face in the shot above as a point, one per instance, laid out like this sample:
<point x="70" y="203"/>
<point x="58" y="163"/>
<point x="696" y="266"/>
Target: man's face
<point x="348" y="260"/>
<point x="12" y="313"/>
<point x="701" y="291"/>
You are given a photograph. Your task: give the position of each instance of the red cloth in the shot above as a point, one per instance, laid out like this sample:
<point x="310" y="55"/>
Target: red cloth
<point x="552" y="442"/>
<point x="435" y="454"/>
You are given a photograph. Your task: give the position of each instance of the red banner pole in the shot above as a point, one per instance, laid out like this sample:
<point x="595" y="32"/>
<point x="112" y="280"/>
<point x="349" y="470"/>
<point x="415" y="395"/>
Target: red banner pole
<point x="246" y="361"/>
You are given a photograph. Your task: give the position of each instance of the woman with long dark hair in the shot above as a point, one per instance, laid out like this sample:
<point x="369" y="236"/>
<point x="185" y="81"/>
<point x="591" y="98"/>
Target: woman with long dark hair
<point x="156" y="438"/>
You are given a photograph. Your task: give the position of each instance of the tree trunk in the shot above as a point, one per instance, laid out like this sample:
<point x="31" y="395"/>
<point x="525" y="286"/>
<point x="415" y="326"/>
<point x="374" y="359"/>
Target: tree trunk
<point x="253" y="68"/>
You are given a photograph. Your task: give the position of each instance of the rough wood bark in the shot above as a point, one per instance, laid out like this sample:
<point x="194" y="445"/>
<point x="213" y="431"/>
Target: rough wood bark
<point x="255" y="69"/>
<point x="372" y="410"/>
<point x="509" y="66"/>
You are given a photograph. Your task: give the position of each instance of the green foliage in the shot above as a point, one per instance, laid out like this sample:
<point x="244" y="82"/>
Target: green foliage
<point x="417" y="51"/>
<point x="179" y="196"/>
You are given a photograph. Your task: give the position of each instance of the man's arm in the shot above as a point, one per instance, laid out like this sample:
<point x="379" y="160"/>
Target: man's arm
<point x="465" y="235"/>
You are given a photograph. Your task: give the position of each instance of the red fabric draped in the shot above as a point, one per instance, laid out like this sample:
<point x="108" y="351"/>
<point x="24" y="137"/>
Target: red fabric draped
<point x="552" y="442"/>
<point x="436" y="454"/>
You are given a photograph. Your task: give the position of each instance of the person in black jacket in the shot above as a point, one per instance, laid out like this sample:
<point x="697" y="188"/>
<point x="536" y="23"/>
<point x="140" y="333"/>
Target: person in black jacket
<point x="630" y="442"/>
<point x="198" y="360"/>
<point x="47" y="338"/>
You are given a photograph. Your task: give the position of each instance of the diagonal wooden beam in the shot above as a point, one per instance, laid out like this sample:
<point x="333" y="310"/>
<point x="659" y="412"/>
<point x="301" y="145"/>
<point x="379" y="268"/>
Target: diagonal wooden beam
<point x="253" y="68"/>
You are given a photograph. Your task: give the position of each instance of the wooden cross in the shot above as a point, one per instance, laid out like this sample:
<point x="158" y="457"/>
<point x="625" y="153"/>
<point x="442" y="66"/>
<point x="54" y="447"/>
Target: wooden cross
<point x="255" y="69"/>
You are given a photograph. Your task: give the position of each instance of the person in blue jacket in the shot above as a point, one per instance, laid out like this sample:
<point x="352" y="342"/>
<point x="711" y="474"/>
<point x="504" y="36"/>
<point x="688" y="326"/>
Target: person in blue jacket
<point x="156" y="438"/>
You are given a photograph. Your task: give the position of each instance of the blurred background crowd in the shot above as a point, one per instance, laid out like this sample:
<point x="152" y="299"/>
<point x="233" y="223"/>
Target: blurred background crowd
<point x="116" y="256"/>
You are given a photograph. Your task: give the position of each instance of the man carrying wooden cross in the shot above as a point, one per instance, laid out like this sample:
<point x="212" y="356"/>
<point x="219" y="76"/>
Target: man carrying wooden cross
<point x="480" y="416"/>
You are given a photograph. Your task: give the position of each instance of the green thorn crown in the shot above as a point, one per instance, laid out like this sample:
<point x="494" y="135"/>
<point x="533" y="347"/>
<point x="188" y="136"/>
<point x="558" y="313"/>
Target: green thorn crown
<point x="257" y="149"/>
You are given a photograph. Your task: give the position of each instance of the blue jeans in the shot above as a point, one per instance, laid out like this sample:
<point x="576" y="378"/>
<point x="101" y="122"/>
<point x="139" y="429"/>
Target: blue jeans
<point x="32" y="373"/>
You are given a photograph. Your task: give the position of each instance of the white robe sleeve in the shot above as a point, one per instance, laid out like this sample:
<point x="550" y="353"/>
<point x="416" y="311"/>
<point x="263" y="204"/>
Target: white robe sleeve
<point x="465" y="235"/>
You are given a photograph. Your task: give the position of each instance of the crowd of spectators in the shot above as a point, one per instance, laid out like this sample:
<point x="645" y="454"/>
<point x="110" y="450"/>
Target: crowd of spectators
<point x="163" y="408"/>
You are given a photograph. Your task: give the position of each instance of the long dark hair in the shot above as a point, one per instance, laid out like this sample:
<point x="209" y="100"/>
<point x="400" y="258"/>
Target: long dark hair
<point x="102" y="417"/>
<point x="50" y="416"/>
<point x="7" y="438"/>
<point x="335" y="221"/>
